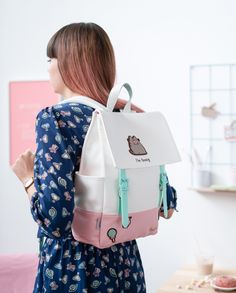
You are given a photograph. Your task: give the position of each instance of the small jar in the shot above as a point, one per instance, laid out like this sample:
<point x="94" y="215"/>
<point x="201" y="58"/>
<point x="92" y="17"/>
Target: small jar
<point x="203" y="178"/>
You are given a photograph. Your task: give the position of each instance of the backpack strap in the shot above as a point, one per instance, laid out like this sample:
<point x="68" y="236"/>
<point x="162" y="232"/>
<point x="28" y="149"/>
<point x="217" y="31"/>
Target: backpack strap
<point x="84" y="100"/>
<point x="163" y="190"/>
<point x="123" y="197"/>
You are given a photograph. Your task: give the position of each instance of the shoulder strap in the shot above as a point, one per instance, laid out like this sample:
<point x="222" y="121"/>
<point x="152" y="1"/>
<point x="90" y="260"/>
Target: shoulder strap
<point x="84" y="100"/>
<point x="163" y="190"/>
<point x="111" y="101"/>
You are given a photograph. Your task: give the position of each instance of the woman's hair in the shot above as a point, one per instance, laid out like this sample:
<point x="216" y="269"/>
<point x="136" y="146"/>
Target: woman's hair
<point x="86" y="61"/>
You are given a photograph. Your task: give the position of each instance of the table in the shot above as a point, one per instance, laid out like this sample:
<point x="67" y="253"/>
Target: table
<point x="187" y="277"/>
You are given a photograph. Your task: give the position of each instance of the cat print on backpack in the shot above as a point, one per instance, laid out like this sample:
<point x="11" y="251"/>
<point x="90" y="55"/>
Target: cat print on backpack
<point x="135" y="146"/>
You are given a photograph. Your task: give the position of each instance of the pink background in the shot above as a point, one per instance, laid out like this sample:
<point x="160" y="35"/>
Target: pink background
<point x="18" y="272"/>
<point x="27" y="98"/>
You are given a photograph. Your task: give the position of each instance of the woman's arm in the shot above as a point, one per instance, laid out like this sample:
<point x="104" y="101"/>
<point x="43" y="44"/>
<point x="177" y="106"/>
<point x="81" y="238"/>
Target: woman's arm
<point x="24" y="169"/>
<point x="53" y="202"/>
<point x="58" y="137"/>
<point x="31" y="190"/>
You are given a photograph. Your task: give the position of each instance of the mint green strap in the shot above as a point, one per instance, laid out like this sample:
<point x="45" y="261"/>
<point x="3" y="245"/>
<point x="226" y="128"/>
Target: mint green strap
<point x="123" y="198"/>
<point x="163" y="190"/>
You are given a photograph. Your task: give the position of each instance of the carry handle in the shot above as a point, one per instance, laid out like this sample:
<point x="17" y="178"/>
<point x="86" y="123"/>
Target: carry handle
<point x="114" y="94"/>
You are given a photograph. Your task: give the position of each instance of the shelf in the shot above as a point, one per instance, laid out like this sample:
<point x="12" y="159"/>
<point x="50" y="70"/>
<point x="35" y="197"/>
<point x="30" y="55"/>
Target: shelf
<point x="221" y="114"/>
<point x="214" y="84"/>
<point x="211" y="190"/>
<point x="221" y="164"/>
<point x="211" y="139"/>
<point x="213" y="90"/>
<point x="212" y="65"/>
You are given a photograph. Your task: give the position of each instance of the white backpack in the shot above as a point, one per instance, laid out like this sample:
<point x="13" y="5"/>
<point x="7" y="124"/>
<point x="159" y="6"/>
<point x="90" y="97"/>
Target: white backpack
<point x="121" y="182"/>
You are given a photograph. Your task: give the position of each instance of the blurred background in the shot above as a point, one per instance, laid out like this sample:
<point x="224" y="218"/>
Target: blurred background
<point x="157" y="44"/>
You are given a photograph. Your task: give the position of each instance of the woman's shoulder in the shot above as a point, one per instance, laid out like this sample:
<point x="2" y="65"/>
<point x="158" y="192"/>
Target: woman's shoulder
<point x="74" y="107"/>
<point x="64" y="112"/>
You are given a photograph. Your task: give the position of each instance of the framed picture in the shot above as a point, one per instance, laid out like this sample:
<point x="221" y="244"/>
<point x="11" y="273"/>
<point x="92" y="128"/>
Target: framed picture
<point x="26" y="99"/>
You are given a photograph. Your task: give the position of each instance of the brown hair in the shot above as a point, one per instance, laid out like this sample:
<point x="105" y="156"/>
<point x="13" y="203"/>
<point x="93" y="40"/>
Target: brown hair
<point x="86" y="61"/>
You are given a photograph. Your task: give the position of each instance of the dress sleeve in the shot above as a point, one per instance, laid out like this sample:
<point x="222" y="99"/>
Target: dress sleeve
<point x="171" y="198"/>
<point x="58" y="149"/>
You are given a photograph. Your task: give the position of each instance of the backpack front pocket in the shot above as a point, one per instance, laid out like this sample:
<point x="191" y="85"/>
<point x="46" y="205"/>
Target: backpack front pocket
<point x="89" y="192"/>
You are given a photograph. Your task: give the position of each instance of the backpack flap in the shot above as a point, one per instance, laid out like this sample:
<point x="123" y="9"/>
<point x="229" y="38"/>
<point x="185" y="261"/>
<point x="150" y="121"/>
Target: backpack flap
<point x="139" y="139"/>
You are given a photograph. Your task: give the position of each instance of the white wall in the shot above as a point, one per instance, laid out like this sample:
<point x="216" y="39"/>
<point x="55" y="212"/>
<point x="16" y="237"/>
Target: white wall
<point x="155" y="43"/>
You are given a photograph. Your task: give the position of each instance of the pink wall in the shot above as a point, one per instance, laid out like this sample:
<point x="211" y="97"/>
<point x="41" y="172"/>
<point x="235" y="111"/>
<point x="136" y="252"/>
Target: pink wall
<point x="27" y="98"/>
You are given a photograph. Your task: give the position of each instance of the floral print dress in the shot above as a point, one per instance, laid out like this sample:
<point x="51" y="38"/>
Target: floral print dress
<point x="66" y="265"/>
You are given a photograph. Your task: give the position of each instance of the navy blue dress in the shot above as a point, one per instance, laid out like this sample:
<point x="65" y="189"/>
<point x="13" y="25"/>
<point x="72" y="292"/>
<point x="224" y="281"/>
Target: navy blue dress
<point x="66" y="265"/>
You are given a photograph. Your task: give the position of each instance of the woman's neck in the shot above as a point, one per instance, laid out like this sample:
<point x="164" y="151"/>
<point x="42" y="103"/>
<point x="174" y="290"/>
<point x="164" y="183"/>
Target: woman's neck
<point x="67" y="93"/>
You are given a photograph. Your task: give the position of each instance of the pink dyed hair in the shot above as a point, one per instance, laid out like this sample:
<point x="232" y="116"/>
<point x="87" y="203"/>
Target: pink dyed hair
<point x="86" y="61"/>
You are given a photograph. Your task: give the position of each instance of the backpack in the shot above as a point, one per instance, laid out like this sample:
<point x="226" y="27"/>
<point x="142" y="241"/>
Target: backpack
<point x="121" y="182"/>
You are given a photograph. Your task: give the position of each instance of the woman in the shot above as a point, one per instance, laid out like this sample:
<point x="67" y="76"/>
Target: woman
<point x="82" y="62"/>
